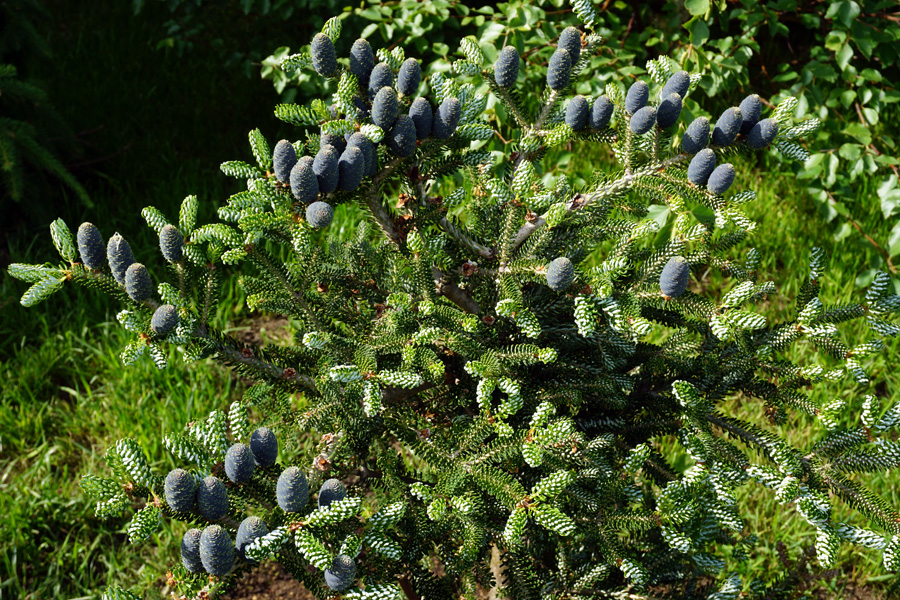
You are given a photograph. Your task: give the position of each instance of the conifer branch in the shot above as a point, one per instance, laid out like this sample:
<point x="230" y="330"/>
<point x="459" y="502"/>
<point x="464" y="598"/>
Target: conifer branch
<point x="545" y="111"/>
<point x="609" y="189"/>
<point x="453" y="292"/>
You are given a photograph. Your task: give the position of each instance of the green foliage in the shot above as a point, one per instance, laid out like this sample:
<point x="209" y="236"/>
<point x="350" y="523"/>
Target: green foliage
<point x="436" y="335"/>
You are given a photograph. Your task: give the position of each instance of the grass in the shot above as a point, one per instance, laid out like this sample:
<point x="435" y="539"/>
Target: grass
<point x="66" y="397"/>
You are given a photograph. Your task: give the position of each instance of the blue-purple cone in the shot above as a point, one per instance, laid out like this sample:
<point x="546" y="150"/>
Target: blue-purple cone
<point x="164" y="320"/>
<point x="304" y="184"/>
<point x="559" y="69"/>
<point x="506" y="69"/>
<point x="352" y="167"/>
<point x="727" y="127"/>
<point x="762" y="134"/>
<point x="560" y="274"/>
<point x="239" y="463"/>
<point x="138" y="283"/>
<point x="284" y="157"/>
<point x="381" y="76"/>
<point x="637" y="97"/>
<point x="570" y="39"/>
<point x="696" y="137"/>
<point x="292" y="490"/>
<point x="325" y="166"/>
<point x="601" y="113"/>
<point x="674" y="278"/>
<point x="751" y="109"/>
<point x="331" y="491"/>
<point x="180" y="490"/>
<point x="402" y="137"/>
<point x="90" y="246"/>
<point x="119" y="256"/>
<point x="446" y="119"/>
<point x="216" y="550"/>
<point x="264" y="446"/>
<point x="679" y="83"/>
<point x="701" y="167"/>
<point x="668" y="112"/>
<point x="577" y="113"/>
<point x="643" y="120"/>
<point x="341" y="574"/>
<point x="319" y="214"/>
<point x="385" y="108"/>
<point x="171" y="243"/>
<point x="212" y="498"/>
<point x="323" y="57"/>
<point x="422" y="115"/>
<point x="721" y="179"/>
<point x="190" y="551"/>
<point x="362" y="61"/>
<point x="409" y="77"/>
<point x="249" y="530"/>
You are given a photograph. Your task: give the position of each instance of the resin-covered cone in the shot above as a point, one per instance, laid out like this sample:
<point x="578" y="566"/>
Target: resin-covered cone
<point x="324" y="59"/>
<point x="341" y="574"/>
<point x="212" y="498"/>
<point x="239" y="463"/>
<point x="119" y="256"/>
<point x="90" y="246"/>
<point x="190" y="551"/>
<point x="331" y="491"/>
<point x="446" y="119"/>
<point x="264" y="446"/>
<point x="560" y="274"/>
<point x="216" y="551"/>
<point x="164" y="320"/>
<point x="409" y="77"/>
<point x="292" y="490"/>
<point x="577" y="113"/>
<point x="422" y="115"/>
<point x="674" y="278"/>
<point x="284" y="157"/>
<point x="250" y="529"/>
<point x="137" y="282"/>
<point x="506" y="69"/>
<point x="180" y="490"/>
<point x="171" y="243"/>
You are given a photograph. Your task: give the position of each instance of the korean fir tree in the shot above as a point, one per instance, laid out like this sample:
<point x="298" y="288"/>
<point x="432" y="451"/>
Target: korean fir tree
<point x="494" y="371"/>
